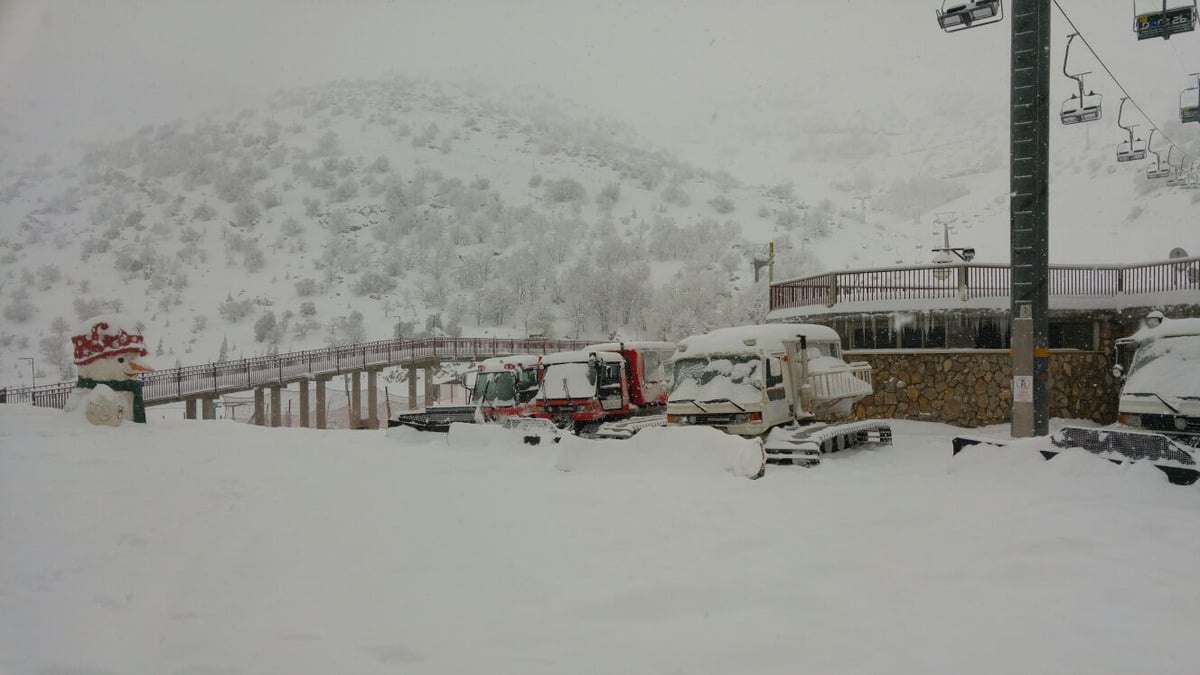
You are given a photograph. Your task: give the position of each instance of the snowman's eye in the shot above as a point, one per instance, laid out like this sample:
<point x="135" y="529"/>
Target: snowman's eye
<point x="121" y="360"/>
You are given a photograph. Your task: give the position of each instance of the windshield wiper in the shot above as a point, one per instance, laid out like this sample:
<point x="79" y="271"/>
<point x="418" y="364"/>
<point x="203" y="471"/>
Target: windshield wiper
<point x="726" y="400"/>
<point x="1161" y="399"/>
<point x="689" y="400"/>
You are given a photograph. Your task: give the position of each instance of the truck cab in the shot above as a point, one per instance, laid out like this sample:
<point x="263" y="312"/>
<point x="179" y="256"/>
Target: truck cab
<point x="1161" y="388"/>
<point x="747" y="380"/>
<point x="505" y="386"/>
<point x="582" y="388"/>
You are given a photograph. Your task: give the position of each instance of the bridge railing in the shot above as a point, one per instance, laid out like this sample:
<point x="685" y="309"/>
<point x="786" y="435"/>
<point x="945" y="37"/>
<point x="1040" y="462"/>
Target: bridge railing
<point x="964" y="281"/>
<point x="174" y="384"/>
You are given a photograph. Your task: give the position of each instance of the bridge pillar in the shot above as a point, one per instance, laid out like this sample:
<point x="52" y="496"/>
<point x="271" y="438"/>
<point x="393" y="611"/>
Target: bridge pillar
<point x="372" y="399"/>
<point x="260" y="412"/>
<point x="412" y="387"/>
<point x="189" y="409"/>
<point x="321" y="402"/>
<point x="355" y="400"/>
<point x="276" y="413"/>
<point x="208" y="408"/>
<point x="303" y="403"/>
<point x="430" y="390"/>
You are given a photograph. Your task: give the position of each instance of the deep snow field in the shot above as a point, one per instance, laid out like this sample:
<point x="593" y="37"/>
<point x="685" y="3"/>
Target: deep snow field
<point x="217" y="548"/>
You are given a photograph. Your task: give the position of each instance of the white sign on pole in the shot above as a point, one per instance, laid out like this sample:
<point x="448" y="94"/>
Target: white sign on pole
<point x="1023" y="389"/>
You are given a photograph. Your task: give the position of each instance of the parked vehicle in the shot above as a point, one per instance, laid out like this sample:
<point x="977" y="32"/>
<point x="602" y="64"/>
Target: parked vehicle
<point x="499" y="388"/>
<point x="775" y="382"/>
<point x="604" y="383"/>
<point x="1158" y="416"/>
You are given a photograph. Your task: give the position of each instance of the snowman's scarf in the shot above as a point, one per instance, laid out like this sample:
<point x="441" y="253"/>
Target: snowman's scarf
<point x="134" y="386"/>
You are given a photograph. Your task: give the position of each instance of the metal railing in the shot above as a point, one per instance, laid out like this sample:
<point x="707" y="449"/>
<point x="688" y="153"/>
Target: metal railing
<point x="964" y="281"/>
<point x="175" y="384"/>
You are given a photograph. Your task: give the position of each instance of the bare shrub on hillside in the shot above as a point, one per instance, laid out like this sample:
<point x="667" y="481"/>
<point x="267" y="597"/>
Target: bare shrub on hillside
<point x="722" y="204"/>
<point x="373" y="283"/>
<point x="235" y="310"/>
<point x="675" y="194"/>
<point x="609" y="195"/>
<point x="345" y="191"/>
<point x="306" y="287"/>
<point x="565" y="190"/>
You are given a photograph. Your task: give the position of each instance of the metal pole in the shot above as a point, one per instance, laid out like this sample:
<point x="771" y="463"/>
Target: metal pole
<point x="1029" y="216"/>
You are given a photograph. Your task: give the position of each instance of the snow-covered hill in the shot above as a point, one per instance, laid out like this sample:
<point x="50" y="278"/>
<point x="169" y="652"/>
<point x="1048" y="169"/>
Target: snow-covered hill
<point x="362" y="209"/>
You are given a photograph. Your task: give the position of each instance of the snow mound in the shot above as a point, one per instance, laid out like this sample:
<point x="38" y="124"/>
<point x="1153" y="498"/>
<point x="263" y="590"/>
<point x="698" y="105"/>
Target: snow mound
<point x="674" y="450"/>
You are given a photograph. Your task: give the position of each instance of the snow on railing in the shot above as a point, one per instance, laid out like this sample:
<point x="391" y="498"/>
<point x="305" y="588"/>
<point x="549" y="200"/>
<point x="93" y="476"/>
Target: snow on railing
<point x="854" y="383"/>
<point x="965" y="281"/>
<point x="174" y="384"/>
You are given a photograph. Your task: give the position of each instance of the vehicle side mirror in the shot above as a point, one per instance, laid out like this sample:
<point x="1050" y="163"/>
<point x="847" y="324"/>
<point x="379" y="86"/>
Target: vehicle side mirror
<point x="1118" y="371"/>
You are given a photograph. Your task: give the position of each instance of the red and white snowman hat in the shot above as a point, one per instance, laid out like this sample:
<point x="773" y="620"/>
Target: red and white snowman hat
<point x="106" y="336"/>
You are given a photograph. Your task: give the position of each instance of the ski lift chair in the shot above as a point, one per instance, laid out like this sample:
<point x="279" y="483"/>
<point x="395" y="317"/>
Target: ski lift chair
<point x="1190" y="111"/>
<point x="1158" y="171"/>
<point x="1080" y="107"/>
<point x="969" y="14"/>
<point x="1129" y="151"/>
<point x="1164" y="20"/>
<point x="1089" y="108"/>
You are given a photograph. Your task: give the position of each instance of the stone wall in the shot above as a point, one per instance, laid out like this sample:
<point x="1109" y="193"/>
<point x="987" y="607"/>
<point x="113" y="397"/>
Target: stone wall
<point x="971" y="388"/>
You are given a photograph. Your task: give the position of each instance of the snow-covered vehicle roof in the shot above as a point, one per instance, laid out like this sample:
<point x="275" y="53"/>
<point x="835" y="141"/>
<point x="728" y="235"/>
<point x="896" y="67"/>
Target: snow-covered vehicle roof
<point x="501" y="363"/>
<point x="766" y="338"/>
<point x="639" y="346"/>
<point x="1168" y="328"/>
<point x="581" y="357"/>
<point x="1167" y="362"/>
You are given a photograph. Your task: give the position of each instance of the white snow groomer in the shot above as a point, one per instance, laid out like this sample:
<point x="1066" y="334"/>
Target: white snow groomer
<point x="774" y="382"/>
<point x="1158" y="417"/>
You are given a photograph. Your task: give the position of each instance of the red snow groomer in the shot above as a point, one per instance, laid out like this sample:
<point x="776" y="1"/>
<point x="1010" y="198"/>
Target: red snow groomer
<point x="610" y="390"/>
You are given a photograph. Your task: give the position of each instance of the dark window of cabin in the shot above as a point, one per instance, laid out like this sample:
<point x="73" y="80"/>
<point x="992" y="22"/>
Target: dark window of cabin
<point x="1071" y="335"/>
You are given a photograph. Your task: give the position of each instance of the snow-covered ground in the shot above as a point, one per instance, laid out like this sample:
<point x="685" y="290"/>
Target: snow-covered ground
<point x="156" y="549"/>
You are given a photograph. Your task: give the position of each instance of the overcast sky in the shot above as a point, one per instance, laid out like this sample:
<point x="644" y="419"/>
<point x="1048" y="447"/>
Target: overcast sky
<point x="72" y="69"/>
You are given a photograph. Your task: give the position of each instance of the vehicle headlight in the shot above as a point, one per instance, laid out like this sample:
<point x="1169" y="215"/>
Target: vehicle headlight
<point x="1130" y="420"/>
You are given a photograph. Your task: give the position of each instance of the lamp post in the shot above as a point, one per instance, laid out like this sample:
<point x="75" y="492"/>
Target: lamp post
<point x="32" y="367"/>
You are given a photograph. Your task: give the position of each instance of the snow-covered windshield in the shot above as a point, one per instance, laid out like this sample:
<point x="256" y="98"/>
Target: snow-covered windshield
<point x="568" y="380"/>
<point x="737" y="378"/>
<point x="493" y="388"/>
<point x="1168" y="366"/>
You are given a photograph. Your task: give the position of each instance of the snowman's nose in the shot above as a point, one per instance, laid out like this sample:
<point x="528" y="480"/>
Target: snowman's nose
<point x="139" y="368"/>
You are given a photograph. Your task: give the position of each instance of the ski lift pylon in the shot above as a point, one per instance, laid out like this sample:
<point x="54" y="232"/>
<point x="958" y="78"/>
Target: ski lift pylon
<point x="1129" y="151"/>
<point x="969" y="14"/>
<point x="1165" y="19"/>
<point x="1189" y="106"/>
<point x="1158" y="171"/>
<point x="1080" y="107"/>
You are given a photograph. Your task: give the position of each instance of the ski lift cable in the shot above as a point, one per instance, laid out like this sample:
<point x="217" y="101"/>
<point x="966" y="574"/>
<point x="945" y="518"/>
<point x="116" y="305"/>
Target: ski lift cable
<point x="1084" y="40"/>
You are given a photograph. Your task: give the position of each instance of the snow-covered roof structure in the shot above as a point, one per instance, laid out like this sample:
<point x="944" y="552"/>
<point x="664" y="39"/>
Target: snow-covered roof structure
<point x="767" y="338"/>
<point x="581" y="357"/>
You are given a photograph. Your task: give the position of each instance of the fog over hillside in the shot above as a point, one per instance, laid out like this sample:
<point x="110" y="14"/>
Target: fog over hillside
<point x="255" y="177"/>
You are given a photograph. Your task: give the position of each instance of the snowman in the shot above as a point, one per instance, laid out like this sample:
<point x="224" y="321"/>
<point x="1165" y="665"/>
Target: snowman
<point x="106" y="353"/>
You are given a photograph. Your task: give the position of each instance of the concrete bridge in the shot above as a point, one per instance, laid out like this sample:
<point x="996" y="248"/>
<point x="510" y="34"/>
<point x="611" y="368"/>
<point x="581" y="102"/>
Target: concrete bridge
<point x="269" y="375"/>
